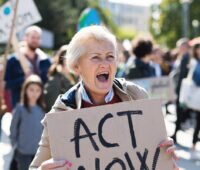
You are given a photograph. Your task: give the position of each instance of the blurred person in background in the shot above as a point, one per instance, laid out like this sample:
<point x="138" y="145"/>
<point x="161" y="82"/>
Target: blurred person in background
<point x="168" y="61"/>
<point x="3" y="110"/>
<point x="59" y="78"/>
<point x="181" y="71"/>
<point x="122" y="63"/>
<point x="167" y="65"/>
<point x="156" y="61"/>
<point x="193" y="65"/>
<point x="26" y="129"/>
<point x="161" y="62"/>
<point x="31" y="60"/>
<point x="141" y="68"/>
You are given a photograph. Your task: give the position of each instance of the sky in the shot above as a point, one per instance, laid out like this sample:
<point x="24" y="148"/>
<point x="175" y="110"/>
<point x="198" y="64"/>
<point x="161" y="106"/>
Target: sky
<point x="138" y="2"/>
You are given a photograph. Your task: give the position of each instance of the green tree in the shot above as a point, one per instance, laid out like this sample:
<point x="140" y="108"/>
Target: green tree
<point x="168" y="28"/>
<point x="195" y="15"/>
<point x="60" y="17"/>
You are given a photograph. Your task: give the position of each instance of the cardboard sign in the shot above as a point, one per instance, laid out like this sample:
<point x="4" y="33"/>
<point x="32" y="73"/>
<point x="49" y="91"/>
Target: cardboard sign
<point x="158" y="87"/>
<point x="123" y="136"/>
<point x="27" y="14"/>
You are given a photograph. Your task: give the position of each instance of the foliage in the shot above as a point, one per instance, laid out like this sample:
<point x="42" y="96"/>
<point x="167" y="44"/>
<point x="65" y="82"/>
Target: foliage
<point x="125" y="33"/>
<point x="169" y="25"/>
<point x="60" y="17"/>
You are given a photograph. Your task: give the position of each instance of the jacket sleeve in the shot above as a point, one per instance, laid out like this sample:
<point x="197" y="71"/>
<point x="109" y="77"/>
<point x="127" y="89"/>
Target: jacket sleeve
<point x="14" y="128"/>
<point x="135" y="91"/>
<point x="14" y="76"/>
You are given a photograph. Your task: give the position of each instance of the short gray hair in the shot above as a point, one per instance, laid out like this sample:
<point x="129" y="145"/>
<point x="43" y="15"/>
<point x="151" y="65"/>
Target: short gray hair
<point x="77" y="46"/>
<point x="33" y="28"/>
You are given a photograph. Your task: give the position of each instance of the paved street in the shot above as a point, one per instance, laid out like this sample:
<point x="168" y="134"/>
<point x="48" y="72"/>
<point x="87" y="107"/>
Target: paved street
<point x="184" y="140"/>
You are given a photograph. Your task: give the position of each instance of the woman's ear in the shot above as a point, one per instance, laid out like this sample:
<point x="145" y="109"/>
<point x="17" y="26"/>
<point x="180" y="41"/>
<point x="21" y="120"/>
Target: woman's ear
<point x="76" y="69"/>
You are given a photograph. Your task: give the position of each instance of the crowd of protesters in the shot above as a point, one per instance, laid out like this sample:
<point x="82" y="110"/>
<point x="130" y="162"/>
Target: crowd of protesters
<point x="33" y="80"/>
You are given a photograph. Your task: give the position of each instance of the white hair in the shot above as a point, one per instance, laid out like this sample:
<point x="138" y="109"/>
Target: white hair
<point x="33" y="28"/>
<point x="78" y="45"/>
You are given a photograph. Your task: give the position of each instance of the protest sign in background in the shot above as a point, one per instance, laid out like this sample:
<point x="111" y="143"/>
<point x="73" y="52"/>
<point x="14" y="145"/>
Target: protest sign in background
<point x="27" y="14"/>
<point x="118" y="136"/>
<point x="158" y="87"/>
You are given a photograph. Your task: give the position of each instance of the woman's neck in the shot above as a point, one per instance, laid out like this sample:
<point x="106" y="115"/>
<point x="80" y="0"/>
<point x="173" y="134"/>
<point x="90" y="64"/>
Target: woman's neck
<point x="98" y="99"/>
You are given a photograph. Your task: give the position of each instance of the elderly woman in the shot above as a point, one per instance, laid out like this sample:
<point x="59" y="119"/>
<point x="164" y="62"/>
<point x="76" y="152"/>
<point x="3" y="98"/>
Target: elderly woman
<point x="92" y="54"/>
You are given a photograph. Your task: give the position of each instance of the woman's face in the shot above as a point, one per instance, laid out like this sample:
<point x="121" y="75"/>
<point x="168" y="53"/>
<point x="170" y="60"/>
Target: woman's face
<point x="97" y="67"/>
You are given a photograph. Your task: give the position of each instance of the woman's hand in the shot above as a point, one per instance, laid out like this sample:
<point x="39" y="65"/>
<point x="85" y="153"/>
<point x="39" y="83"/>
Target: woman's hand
<point x="169" y="143"/>
<point x="55" y="164"/>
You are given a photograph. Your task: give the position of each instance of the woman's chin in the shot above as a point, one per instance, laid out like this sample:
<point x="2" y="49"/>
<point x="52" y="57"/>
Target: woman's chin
<point x="104" y="87"/>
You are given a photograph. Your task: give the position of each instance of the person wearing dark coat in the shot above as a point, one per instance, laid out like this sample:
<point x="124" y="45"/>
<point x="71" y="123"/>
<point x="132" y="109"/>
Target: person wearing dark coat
<point x="141" y="67"/>
<point x="59" y="79"/>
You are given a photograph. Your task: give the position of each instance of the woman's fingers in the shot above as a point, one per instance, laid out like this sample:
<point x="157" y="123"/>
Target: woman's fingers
<point x="55" y="164"/>
<point x="167" y="142"/>
<point x="51" y="164"/>
<point x="171" y="150"/>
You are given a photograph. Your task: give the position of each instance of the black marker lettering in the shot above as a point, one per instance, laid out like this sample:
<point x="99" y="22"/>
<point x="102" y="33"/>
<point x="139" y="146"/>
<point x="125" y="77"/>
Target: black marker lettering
<point x="155" y="158"/>
<point x="116" y="161"/>
<point x="129" y="161"/>
<point x="100" y="132"/>
<point x="81" y="168"/>
<point x="142" y="159"/>
<point x="97" y="164"/>
<point x="132" y="133"/>
<point x="77" y="136"/>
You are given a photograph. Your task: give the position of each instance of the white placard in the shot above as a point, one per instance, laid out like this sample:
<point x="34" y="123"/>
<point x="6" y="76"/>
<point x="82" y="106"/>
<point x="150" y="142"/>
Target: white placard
<point x="27" y="14"/>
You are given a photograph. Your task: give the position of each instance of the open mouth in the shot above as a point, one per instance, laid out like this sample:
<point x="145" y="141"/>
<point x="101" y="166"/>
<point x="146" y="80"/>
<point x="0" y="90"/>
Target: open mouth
<point x="103" y="77"/>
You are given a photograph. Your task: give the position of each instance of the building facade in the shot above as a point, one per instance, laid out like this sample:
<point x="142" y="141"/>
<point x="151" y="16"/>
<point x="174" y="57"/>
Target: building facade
<point x="128" y="15"/>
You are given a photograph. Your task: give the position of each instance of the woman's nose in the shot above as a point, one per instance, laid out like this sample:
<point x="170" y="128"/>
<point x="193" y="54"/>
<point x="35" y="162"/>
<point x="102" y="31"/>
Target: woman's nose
<point x="105" y="63"/>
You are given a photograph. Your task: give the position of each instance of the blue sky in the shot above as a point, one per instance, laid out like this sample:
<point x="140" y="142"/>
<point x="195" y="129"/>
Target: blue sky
<point x="138" y="2"/>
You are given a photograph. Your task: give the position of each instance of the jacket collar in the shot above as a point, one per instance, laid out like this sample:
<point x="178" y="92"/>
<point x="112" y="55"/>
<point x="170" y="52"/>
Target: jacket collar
<point x="85" y="96"/>
<point x="73" y="97"/>
<point x="41" y="55"/>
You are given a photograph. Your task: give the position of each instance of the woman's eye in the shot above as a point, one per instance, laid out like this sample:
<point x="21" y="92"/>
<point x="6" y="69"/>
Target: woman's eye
<point x="95" y="58"/>
<point x="110" y="57"/>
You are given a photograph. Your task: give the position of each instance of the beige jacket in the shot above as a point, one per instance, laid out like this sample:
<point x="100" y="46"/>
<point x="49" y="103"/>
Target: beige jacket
<point x="125" y="90"/>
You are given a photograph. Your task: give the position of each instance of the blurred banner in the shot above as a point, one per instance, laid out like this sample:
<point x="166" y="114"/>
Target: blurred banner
<point x="27" y="15"/>
<point x="89" y="16"/>
<point x="158" y="87"/>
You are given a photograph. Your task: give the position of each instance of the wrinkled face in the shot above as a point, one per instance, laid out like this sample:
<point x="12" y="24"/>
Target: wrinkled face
<point x="33" y="40"/>
<point x="33" y="92"/>
<point x="97" y="67"/>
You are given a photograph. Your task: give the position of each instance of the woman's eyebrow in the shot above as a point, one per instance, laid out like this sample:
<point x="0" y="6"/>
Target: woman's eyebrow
<point x="109" y="52"/>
